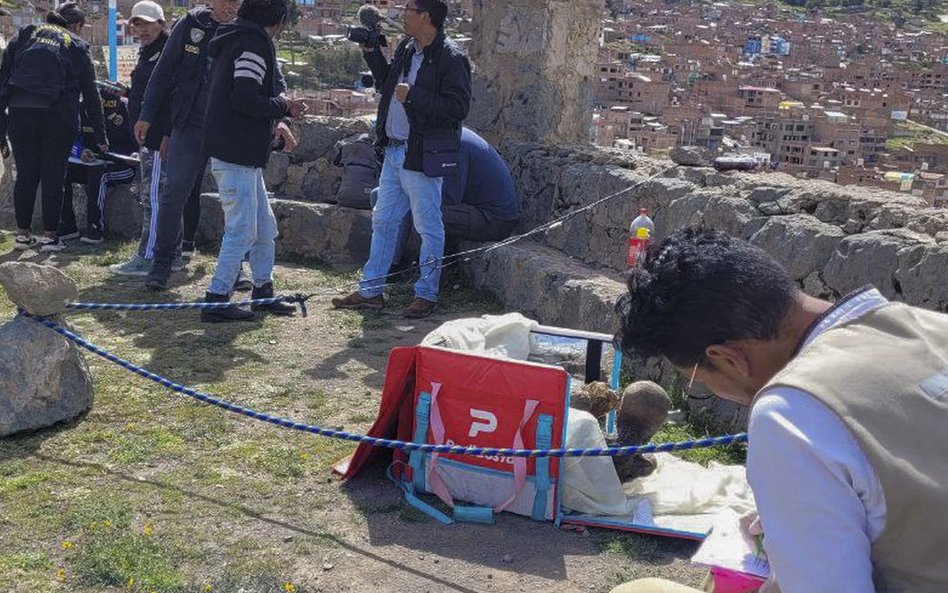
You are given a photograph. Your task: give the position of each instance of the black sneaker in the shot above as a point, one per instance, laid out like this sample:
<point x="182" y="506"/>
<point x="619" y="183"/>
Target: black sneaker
<point x="92" y="237"/>
<point x="156" y="283"/>
<point x="224" y="314"/>
<point x="266" y="292"/>
<point x="48" y="245"/>
<point x="243" y="284"/>
<point x="67" y="234"/>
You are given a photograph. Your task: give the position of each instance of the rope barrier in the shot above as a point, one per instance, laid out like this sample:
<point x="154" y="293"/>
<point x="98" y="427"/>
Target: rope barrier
<point x="299" y="299"/>
<point x="378" y="442"/>
<point x="446" y="261"/>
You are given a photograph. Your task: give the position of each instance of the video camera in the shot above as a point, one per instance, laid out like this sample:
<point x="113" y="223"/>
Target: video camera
<point x="370" y="33"/>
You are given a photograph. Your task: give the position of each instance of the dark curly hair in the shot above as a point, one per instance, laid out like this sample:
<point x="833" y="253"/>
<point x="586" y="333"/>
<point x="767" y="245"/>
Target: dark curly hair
<point x="697" y="288"/>
<point x="265" y="13"/>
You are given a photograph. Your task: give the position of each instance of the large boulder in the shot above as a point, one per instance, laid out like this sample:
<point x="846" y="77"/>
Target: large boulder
<point x="40" y="290"/>
<point x="687" y="156"/>
<point x="43" y="378"/>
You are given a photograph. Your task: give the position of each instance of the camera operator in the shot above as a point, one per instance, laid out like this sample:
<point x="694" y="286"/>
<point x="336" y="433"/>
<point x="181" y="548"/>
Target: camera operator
<point x="426" y="94"/>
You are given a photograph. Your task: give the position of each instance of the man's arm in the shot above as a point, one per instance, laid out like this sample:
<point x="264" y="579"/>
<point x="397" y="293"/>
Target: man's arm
<point x="454" y="100"/>
<point x="819" y="499"/>
<point x="379" y="66"/>
<point x="248" y="95"/>
<point x="158" y="90"/>
<point x="6" y="68"/>
<point x="91" y="101"/>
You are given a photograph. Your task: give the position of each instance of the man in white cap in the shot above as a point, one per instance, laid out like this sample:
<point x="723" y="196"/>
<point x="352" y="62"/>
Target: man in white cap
<point x="148" y="24"/>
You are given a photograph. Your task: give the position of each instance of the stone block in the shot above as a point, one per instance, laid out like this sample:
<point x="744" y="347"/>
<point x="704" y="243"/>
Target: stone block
<point x="337" y="236"/>
<point x="39" y="289"/>
<point x="43" y="378"/>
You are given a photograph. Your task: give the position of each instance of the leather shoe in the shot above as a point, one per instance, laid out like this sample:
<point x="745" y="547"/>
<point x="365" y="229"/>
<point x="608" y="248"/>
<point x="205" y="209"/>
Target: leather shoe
<point x="357" y="301"/>
<point x="419" y="308"/>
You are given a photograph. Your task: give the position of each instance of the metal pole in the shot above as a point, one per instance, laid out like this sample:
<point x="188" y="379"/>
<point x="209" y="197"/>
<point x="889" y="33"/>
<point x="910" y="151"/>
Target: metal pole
<point x="113" y="42"/>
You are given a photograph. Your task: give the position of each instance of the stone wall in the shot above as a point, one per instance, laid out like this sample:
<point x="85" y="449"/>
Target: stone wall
<point x="534" y="69"/>
<point x="831" y="238"/>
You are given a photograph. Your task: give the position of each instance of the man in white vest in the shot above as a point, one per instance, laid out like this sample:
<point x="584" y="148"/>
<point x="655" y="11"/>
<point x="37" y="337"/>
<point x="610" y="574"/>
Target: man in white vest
<point x="848" y="431"/>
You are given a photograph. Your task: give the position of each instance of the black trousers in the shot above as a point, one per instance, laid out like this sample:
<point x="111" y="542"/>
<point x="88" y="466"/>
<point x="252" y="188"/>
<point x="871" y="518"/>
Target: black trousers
<point x="41" y="144"/>
<point x="192" y="210"/>
<point x="461" y="223"/>
<point x="468" y="223"/>
<point x="97" y="179"/>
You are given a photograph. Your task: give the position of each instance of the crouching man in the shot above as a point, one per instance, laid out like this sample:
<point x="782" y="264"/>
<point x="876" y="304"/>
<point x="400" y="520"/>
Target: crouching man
<point x="243" y="107"/>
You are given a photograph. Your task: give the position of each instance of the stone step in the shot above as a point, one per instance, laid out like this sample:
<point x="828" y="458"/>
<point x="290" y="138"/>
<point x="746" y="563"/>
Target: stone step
<point x="337" y="236"/>
<point x="549" y="286"/>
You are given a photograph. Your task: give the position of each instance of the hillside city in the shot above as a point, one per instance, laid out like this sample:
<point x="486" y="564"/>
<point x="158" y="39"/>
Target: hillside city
<point x="835" y="93"/>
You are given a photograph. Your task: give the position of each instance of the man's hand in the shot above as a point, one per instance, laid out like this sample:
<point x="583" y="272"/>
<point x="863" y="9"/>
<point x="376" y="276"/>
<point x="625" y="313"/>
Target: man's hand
<point x="295" y="107"/>
<point x="141" y="130"/>
<point x="401" y="91"/>
<point x="282" y="132"/>
<point x="164" y="148"/>
<point x="750" y="525"/>
<point x="103" y="148"/>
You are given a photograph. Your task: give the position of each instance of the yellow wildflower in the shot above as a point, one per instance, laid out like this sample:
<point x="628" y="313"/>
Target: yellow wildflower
<point x="149" y="529"/>
<point x="289" y="587"/>
<point x="208" y="588"/>
<point x="66" y="545"/>
<point x="131" y="583"/>
<point x="61" y="574"/>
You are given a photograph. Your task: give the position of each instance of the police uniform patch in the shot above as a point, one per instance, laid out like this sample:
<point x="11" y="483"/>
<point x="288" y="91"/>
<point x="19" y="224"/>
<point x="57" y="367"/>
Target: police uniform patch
<point x="193" y="49"/>
<point x="118" y="120"/>
<point x="197" y="35"/>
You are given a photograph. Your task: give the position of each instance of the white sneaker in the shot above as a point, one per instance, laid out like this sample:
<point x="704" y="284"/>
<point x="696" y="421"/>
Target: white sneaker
<point x="24" y="242"/>
<point x="137" y="266"/>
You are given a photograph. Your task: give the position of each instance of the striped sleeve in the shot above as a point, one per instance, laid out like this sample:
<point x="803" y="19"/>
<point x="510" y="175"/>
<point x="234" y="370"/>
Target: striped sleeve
<point x="250" y="65"/>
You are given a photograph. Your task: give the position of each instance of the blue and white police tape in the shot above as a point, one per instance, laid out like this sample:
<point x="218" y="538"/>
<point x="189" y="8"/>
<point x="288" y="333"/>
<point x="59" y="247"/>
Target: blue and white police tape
<point x="388" y="443"/>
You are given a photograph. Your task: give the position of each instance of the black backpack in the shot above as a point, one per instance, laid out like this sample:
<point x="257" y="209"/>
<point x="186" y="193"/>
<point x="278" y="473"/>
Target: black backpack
<point x="41" y="64"/>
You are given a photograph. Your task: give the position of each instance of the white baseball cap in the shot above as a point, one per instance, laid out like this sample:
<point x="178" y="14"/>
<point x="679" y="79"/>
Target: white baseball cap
<point x="148" y="11"/>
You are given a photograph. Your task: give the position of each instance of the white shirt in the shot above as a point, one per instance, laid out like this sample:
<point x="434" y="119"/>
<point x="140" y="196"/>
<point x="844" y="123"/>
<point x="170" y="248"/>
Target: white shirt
<point x="397" y="126"/>
<point x="820" y="501"/>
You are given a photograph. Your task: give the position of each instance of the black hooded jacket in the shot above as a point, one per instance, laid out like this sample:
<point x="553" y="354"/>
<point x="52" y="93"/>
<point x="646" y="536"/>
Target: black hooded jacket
<point x="180" y="70"/>
<point x="79" y="79"/>
<point x="147" y="60"/>
<point x="244" y="101"/>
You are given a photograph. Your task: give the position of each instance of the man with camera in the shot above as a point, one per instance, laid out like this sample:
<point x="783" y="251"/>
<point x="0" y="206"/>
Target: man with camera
<point x="425" y="95"/>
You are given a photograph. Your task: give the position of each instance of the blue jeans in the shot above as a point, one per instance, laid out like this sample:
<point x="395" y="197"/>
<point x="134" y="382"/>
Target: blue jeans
<point x="402" y="191"/>
<point x="249" y="225"/>
<point x="185" y="164"/>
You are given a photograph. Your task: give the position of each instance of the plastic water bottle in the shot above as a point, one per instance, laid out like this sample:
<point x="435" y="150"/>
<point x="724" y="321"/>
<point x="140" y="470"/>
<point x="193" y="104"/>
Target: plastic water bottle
<point x="640" y="235"/>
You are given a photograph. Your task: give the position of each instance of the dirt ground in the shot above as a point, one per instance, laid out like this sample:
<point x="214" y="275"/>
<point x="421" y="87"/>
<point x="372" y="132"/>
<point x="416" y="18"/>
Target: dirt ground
<point x="229" y="504"/>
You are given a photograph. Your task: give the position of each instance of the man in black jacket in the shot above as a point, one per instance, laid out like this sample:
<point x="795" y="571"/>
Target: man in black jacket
<point x="426" y="94"/>
<point x="181" y="77"/>
<point x="244" y="105"/>
<point x="148" y="23"/>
